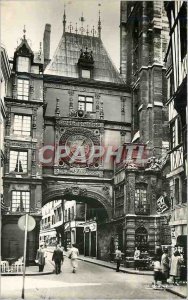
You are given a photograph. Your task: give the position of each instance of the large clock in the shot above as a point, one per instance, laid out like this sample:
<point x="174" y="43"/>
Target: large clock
<point x="79" y="147"/>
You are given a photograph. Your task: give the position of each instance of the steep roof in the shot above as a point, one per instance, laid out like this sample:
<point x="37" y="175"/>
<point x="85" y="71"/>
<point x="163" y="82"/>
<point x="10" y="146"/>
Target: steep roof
<point x="67" y="54"/>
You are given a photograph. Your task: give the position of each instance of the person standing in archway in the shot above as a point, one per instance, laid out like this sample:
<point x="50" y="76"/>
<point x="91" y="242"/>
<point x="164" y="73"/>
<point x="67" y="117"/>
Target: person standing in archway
<point x="73" y="255"/>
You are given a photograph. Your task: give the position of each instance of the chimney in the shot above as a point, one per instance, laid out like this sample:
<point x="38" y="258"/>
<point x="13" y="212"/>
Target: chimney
<point x="46" y="44"/>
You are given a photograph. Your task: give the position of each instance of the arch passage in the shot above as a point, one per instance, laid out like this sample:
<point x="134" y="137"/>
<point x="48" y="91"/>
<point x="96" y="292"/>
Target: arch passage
<point x="77" y="193"/>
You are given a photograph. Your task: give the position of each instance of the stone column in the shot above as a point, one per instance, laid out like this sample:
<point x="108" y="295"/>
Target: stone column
<point x="130" y="192"/>
<point x="97" y="97"/>
<point x="130" y="236"/>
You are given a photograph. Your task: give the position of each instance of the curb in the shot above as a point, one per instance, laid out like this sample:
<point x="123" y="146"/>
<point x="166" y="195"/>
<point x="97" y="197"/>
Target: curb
<point x="27" y="274"/>
<point x="176" y="293"/>
<point x="114" y="268"/>
<point x="132" y="272"/>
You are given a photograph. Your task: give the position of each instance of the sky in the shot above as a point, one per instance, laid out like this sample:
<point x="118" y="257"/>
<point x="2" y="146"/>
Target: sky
<point x="34" y="14"/>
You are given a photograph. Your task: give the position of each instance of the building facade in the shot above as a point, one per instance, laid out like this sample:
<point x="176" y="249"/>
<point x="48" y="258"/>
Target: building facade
<point x="5" y="74"/>
<point x="67" y="118"/>
<point x="176" y="61"/>
<point x="141" y="192"/>
<point x="22" y="181"/>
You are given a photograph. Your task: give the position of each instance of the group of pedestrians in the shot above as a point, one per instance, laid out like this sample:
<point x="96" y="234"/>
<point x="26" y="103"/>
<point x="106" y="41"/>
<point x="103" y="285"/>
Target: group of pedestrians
<point x="58" y="258"/>
<point x="164" y="267"/>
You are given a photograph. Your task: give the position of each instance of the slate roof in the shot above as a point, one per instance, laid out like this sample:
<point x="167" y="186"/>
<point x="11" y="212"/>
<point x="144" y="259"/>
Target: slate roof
<point x="65" y="59"/>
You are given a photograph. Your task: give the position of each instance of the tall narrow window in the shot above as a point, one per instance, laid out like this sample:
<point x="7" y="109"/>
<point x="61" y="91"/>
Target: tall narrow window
<point x="141" y="206"/>
<point x="85" y="103"/>
<point x="23" y="89"/>
<point x="172" y="135"/>
<point x="20" y="201"/>
<point x="18" y="161"/>
<point x="72" y="213"/>
<point x="179" y="131"/>
<point x="23" y="64"/>
<point x="177" y="190"/>
<point x="22" y="125"/>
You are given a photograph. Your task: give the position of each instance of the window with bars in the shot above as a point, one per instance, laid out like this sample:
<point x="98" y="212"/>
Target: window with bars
<point x="85" y="103"/>
<point x="23" y="64"/>
<point x="141" y="205"/>
<point x="23" y="89"/>
<point x="20" y="201"/>
<point x="18" y="161"/>
<point x="22" y="125"/>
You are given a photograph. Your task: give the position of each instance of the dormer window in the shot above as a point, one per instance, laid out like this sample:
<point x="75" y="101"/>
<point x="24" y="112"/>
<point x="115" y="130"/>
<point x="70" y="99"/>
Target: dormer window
<point x="23" y="64"/>
<point x="85" y="73"/>
<point x="86" y="64"/>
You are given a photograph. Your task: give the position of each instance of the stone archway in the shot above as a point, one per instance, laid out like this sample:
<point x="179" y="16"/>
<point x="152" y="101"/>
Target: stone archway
<point x="76" y="192"/>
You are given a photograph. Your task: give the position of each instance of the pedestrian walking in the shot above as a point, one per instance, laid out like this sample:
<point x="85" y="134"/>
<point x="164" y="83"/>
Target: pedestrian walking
<point x="73" y="255"/>
<point x="176" y="262"/>
<point x="40" y="257"/>
<point x="136" y="258"/>
<point x="158" y="276"/>
<point x="165" y="265"/>
<point x="118" y="258"/>
<point x="58" y="259"/>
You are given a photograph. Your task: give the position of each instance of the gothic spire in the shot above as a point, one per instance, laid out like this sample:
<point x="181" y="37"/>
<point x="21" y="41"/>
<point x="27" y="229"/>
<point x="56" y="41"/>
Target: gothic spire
<point x="99" y="25"/>
<point x="24" y="31"/>
<point x="64" y="21"/>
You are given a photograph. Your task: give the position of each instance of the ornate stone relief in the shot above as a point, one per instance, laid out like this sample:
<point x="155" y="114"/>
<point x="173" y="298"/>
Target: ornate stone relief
<point x="156" y="164"/>
<point x="77" y="171"/>
<point x="75" y="190"/>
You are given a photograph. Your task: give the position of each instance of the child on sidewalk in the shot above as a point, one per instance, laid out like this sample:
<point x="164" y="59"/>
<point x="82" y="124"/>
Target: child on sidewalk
<point x="157" y="272"/>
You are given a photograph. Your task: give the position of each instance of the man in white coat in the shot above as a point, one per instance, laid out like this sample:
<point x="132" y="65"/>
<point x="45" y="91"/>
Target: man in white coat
<point x="73" y="255"/>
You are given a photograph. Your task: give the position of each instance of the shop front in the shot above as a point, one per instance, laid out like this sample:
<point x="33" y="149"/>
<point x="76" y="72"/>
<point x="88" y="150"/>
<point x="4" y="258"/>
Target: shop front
<point x="90" y="239"/>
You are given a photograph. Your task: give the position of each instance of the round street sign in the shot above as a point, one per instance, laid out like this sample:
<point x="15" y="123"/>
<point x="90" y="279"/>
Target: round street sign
<point x="30" y="225"/>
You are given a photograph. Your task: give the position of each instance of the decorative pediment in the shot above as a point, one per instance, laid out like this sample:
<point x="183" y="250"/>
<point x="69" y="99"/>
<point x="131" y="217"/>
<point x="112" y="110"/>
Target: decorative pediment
<point x="24" y="50"/>
<point x="86" y="59"/>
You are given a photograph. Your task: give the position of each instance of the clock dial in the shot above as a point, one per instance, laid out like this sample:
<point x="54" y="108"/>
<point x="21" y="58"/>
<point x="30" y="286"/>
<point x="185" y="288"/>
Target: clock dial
<point x="79" y="147"/>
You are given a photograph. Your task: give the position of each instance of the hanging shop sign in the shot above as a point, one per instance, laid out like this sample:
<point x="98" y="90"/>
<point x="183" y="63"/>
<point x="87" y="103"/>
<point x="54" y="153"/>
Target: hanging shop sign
<point x="162" y="204"/>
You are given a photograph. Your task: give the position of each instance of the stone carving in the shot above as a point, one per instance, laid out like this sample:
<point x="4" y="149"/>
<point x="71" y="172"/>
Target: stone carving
<point x="71" y="92"/>
<point x="86" y="57"/>
<point x="22" y="145"/>
<point x="106" y="190"/>
<point x="78" y="171"/>
<point x="130" y="165"/>
<point x="73" y="113"/>
<point x="155" y="163"/>
<point x="34" y="120"/>
<point x="75" y="190"/>
<point x="97" y="95"/>
<point x="57" y="109"/>
<point x="72" y="123"/>
<point x="101" y="111"/>
<point x="83" y="131"/>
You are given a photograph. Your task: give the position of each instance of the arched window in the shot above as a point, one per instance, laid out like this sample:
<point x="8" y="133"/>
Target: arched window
<point x="141" y="238"/>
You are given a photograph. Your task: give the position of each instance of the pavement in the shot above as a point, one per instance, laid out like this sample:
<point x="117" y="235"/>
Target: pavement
<point x="180" y="291"/>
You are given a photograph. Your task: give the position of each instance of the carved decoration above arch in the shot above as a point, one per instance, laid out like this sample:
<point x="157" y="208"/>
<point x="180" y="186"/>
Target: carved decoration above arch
<point x="54" y="192"/>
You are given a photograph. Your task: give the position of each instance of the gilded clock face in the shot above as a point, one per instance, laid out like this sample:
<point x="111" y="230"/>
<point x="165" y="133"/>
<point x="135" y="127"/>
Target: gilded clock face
<point x="79" y="147"/>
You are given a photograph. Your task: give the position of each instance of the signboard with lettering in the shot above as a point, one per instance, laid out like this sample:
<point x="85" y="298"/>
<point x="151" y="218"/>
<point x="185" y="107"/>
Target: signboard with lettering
<point x="162" y="204"/>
